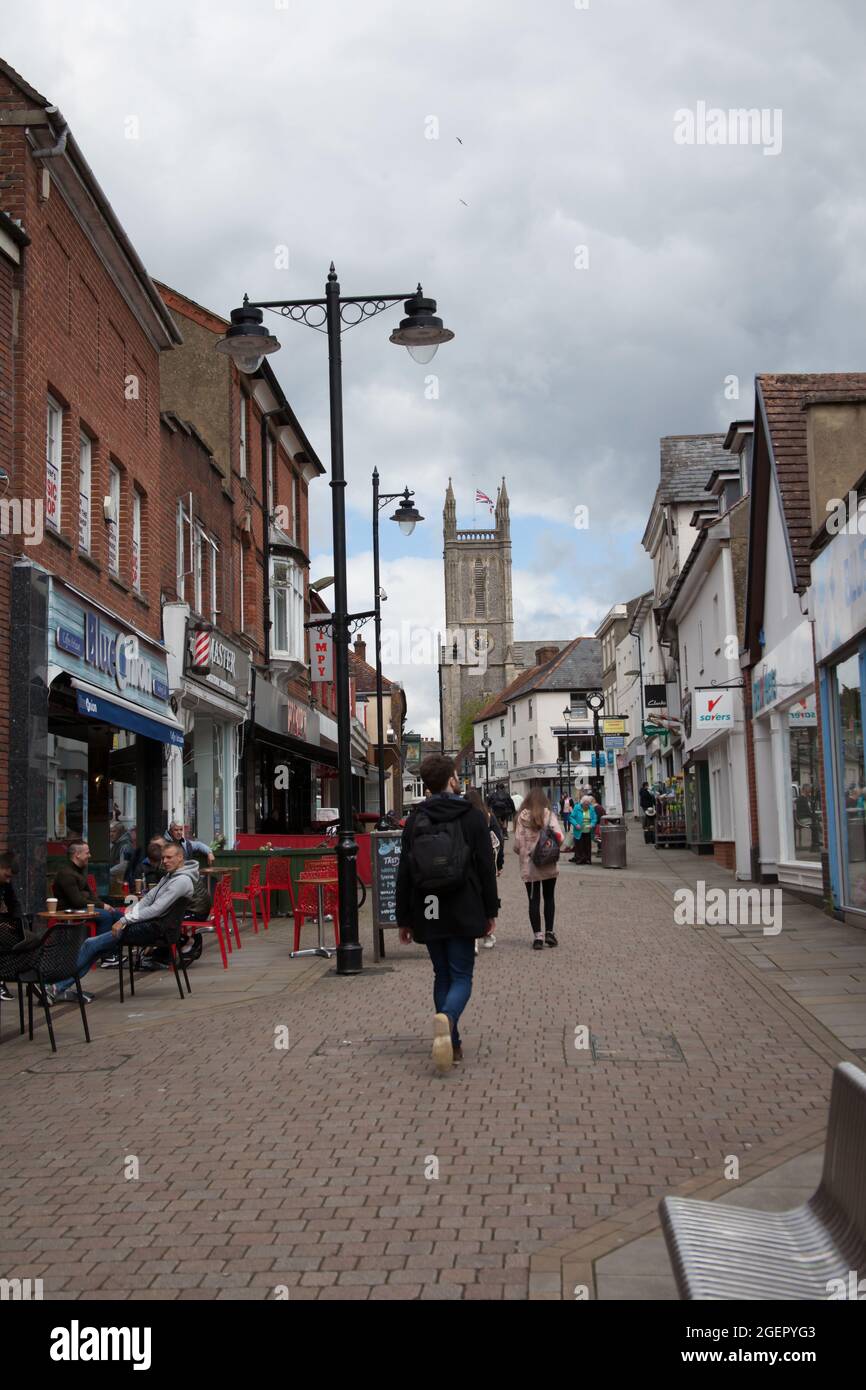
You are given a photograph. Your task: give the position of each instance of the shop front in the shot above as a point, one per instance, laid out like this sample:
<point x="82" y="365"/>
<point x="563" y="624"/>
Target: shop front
<point x="282" y="764"/>
<point x="210" y="685"/>
<point x="787" y="780"/>
<point x="838" y="599"/>
<point x="99" y="692"/>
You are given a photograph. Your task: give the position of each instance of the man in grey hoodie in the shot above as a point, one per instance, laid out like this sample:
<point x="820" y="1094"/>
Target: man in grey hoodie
<point x="143" y="923"/>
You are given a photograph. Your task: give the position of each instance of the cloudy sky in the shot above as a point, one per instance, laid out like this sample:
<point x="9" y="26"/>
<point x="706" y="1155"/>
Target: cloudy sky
<point x="604" y="280"/>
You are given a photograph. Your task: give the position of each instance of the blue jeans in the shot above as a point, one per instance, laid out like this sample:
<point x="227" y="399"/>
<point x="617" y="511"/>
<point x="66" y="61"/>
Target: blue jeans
<point x="94" y="946"/>
<point x="453" y="960"/>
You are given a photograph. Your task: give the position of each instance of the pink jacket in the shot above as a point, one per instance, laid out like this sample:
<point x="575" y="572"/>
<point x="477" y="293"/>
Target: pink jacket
<point x="525" y="840"/>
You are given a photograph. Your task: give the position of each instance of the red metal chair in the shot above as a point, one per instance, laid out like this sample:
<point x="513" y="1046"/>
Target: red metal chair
<point x="278" y="879"/>
<point x="251" y="894"/>
<point x="306" y="902"/>
<point x="219" y="919"/>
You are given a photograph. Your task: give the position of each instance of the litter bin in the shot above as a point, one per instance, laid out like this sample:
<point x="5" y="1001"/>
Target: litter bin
<point x="613" y="847"/>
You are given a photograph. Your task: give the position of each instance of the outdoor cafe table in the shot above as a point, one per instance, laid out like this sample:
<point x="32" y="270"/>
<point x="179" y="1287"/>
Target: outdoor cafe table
<point x="214" y="874"/>
<point x="320" y="949"/>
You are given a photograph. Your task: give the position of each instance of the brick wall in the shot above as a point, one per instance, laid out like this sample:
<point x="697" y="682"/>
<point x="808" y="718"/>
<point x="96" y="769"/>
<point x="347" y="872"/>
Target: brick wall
<point x="8" y="276"/>
<point x="81" y="343"/>
<point x="725" y="853"/>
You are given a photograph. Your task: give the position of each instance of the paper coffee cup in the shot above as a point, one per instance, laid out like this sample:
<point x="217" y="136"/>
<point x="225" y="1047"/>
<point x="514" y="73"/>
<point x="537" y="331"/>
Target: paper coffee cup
<point x="51" y="904"/>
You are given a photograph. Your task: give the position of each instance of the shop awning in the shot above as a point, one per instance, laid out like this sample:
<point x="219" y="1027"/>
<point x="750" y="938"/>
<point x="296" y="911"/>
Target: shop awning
<point x="92" y="703"/>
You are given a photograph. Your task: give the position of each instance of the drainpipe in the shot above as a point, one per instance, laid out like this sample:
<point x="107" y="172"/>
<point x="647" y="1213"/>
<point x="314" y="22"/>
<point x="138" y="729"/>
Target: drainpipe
<point x="266" y="531"/>
<point x="60" y="131"/>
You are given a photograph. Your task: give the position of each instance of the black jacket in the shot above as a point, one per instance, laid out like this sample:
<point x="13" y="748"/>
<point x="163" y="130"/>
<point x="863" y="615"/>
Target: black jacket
<point x="502" y="805"/>
<point x="71" y="890"/>
<point x="466" y="911"/>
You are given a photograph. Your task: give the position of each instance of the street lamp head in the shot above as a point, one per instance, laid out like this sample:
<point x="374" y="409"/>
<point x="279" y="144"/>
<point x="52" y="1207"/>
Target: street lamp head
<point x="421" y="331"/>
<point x="247" y="342"/>
<point x="407" y="514"/>
<point x="567" y="713"/>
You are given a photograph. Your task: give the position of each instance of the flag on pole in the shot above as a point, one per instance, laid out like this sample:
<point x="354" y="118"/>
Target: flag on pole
<point x="482" y="497"/>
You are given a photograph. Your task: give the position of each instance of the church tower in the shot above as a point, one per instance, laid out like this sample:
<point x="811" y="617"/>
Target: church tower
<point x="477" y="644"/>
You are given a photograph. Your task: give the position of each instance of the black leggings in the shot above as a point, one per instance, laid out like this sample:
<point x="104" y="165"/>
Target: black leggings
<point x="533" y="893"/>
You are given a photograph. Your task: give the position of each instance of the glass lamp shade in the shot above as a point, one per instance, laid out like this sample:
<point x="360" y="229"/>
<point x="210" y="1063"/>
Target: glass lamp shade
<point x="421" y="331"/>
<point x="407" y="514"/>
<point x="423" y="352"/>
<point x="407" y="527"/>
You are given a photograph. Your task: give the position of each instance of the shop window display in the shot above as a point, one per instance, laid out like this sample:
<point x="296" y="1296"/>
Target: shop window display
<point x="805" y="809"/>
<point x="852" y="776"/>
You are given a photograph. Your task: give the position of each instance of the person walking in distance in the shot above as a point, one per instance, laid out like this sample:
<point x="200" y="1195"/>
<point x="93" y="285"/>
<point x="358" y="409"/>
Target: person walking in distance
<point x="583" y="823"/>
<point x="497" y="845"/>
<point x="536" y="832"/>
<point x="446" y="895"/>
<point x="502" y="806"/>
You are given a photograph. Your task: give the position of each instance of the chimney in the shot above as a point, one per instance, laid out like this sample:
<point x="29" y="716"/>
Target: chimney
<point x="545" y="654"/>
<point x="360" y="649"/>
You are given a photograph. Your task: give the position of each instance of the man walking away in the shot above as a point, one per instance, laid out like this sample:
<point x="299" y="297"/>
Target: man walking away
<point x="502" y="806"/>
<point x="446" y="895"/>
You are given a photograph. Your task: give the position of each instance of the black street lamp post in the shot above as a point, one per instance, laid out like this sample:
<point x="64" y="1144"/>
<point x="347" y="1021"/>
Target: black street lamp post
<point x="559" y="771"/>
<point x="566" y="714"/>
<point x="596" y="703"/>
<point x="485" y="744"/>
<point x="406" y="517"/>
<point x="248" y="342"/>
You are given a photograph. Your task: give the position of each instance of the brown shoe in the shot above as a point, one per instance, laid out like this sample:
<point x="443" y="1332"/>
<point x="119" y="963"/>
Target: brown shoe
<point x="457" y="1054"/>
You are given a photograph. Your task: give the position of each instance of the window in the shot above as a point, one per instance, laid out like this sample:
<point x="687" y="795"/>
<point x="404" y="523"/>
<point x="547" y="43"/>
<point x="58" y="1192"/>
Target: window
<point x="717" y="639"/>
<point x="214" y="577"/>
<point x="184" y="558"/>
<point x="296" y="509"/>
<point x="530" y="709"/>
<point x="514" y="753"/>
<point x="480" y="590"/>
<point x="514" y="714"/>
<point x="53" y="450"/>
<point x="114" y="519"/>
<point x="806" y="812"/>
<point x="197" y="566"/>
<point x="242" y="447"/>
<point x="502" y="728"/>
<point x="531" y="749"/>
<point x="700" y="648"/>
<point x="287" y="610"/>
<point x="85" y="450"/>
<point x="686" y="664"/>
<point x="136" y="540"/>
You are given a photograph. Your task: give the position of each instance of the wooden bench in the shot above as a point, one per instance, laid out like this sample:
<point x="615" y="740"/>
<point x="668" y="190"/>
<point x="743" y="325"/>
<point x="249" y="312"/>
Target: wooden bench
<point x="721" y="1252"/>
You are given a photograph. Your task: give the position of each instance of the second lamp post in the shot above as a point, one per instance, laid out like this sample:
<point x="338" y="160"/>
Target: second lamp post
<point x="406" y="516"/>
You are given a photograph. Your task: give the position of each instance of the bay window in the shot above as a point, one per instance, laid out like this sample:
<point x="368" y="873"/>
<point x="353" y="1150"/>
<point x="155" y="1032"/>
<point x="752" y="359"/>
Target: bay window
<point x="287" y="610"/>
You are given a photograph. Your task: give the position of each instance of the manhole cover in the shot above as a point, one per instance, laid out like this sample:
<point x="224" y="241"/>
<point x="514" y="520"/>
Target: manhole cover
<point x="59" y="1063"/>
<point x="642" y="1046"/>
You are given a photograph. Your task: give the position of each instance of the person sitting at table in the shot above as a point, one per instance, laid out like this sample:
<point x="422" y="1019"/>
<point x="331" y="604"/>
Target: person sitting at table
<point x="11" y="916"/>
<point x="147" y="864"/>
<point x="189" y="847"/>
<point x="143" y="924"/>
<point x="72" y="891"/>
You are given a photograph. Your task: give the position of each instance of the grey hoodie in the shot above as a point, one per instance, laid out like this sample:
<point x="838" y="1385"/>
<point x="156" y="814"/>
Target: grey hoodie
<point x="157" y="901"/>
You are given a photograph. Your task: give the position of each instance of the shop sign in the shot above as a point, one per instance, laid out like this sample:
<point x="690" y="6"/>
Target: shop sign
<point x="655" y="696"/>
<point x="218" y="662"/>
<point x="839" y="593"/>
<point x="803" y="714"/>
<point x="99" y="649"/>
<point x="614" y="740"/>
<point x="296" y="720"/>
<point x="613" y="726"/>
<point x="714" y="708"/>
<point x="322" y="653"/>
<point x="764" y="691"/>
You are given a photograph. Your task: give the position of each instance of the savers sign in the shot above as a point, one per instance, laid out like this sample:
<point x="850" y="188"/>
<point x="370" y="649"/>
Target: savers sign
<point x="714" y="709"/>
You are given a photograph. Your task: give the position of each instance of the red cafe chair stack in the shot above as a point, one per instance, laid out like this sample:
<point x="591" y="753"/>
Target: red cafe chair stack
<point x="307" y="898"/>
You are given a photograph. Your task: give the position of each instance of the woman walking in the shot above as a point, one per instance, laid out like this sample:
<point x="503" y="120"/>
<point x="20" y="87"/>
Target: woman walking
<point x="497" y="845"/>
<point x="534" y="817"/>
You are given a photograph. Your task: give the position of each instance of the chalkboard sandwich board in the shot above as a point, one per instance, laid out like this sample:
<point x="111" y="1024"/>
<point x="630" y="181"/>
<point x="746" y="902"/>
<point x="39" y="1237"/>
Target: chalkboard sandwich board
<point x="385" y="859"/>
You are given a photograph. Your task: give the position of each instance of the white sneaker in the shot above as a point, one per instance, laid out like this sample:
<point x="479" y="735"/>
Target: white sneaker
<point x="490" y="941"/>
<point x="443" y="1050"/>
<point x="476" y="946"/>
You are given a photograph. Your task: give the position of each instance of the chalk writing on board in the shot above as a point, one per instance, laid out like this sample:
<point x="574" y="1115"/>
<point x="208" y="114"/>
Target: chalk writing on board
<point x="386" y="862"/>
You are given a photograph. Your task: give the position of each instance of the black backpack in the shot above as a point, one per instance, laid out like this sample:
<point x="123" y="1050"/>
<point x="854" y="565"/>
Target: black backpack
<point x="199" y="904"/>
<point x="546" y="848"/>
<point x="439" y="857"/>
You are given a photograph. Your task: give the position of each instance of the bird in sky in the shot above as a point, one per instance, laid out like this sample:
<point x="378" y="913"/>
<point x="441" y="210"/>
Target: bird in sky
<point x="457" y="138"/>
<point x="464" y="202"/>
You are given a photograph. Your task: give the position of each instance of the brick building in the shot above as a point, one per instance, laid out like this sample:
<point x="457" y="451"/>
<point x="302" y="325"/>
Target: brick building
<point x="90" y="714"/>
<point x="246" y="520"/>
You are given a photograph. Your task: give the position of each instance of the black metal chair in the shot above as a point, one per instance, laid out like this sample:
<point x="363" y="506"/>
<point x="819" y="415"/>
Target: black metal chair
<point x="52" y="959"/>
<point x="721" y="1252"/>
<point x="169" y="936"/>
